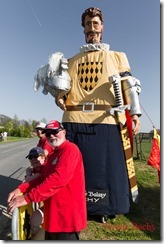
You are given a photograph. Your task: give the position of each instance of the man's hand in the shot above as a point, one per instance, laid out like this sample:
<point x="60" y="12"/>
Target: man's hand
<point x="15" y="203"/>
<point x="13" y="195"/>
<point x="61" y="103"/>
<point x="137" y="124"/>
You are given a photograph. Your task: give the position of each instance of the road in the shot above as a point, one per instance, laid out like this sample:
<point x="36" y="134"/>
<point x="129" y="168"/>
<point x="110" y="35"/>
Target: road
<point x="12" y="169"/>
<point x="12" y="155"/>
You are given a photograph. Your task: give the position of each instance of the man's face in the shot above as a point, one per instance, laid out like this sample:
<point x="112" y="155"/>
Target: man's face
<point x="55" y="138"/>
<point x="36" y="161"/>
<point x="93" y="29"/>
<point x="39" y="132"/>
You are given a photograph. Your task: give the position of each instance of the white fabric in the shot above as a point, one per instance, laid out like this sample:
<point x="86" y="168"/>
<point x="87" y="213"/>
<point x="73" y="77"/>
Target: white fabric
<point x="93" y="47"/>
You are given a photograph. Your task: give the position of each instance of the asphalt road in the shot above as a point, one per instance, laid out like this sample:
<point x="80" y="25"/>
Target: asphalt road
<point x="12" y="170"/>
<point x="12" y="155"/>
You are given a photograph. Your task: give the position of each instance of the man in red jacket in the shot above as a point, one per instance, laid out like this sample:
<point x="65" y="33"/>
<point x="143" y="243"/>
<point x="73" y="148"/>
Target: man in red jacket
<point x="43" y="142"/>
<point x="61" y="187"/>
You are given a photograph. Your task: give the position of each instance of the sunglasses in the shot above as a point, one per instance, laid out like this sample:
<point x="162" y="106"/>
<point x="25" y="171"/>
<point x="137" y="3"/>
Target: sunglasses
<point x="38" y="129"/>
<point x="52" y="132"/>
<point x="32" y="156"/>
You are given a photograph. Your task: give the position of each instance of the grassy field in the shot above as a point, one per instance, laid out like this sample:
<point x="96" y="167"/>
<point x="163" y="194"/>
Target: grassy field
<point x="143" y="220"/>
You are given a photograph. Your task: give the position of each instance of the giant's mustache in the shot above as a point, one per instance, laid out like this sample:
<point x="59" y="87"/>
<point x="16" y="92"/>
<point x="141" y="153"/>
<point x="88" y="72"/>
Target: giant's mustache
<point x="93" y="32"/>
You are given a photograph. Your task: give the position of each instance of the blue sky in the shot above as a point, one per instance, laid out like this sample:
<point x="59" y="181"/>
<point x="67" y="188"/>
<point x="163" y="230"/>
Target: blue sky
<point x="31" y="30"/>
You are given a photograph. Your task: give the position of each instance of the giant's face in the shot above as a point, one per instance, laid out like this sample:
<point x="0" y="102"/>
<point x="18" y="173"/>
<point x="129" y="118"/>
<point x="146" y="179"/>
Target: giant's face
<point x="93" y="29"/>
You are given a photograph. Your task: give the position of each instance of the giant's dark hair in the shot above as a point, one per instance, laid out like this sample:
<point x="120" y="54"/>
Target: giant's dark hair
<point x="92" y="12"/>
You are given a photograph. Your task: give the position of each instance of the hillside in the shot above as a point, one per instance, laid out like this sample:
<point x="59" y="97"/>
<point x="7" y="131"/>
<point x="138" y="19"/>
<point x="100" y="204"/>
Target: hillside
<point x="4" y="119"/>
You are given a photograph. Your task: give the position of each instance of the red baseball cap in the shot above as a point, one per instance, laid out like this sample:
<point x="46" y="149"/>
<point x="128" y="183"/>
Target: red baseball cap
<point x="53" y="125"/>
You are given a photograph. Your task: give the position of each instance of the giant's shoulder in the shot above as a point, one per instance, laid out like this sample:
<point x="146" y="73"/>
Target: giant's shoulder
<point x="118" y="55"/>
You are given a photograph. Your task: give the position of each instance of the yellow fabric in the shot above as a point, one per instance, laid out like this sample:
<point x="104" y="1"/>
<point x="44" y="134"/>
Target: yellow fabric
<point x="94" y="67"/>
<point x="24" y="212"/>
<point x="156" y="136"/>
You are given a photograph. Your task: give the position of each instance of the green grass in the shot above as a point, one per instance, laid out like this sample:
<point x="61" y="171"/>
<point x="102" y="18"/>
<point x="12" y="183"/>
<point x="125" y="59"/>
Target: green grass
<point x="14" y="138"/>
<point x="143" y="220"/>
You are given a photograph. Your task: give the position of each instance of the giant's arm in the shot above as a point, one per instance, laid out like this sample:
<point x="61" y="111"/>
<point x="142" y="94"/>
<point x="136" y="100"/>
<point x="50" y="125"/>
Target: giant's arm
<point x="131" y="88"/>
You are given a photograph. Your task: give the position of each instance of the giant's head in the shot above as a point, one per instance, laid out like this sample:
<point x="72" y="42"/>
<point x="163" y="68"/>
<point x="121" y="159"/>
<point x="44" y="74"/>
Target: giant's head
<point x="92" y="21"/>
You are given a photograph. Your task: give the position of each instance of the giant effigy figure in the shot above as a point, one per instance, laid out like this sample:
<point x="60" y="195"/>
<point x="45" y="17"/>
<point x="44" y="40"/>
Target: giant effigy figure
<point x="101" y="114"/>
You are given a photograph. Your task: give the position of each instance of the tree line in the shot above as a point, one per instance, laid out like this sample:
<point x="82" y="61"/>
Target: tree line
<point x="18" y="128"/>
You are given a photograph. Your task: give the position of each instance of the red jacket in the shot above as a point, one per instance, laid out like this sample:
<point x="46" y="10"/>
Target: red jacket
<point x="43" y="143"/>
<point x="62" y="188"/>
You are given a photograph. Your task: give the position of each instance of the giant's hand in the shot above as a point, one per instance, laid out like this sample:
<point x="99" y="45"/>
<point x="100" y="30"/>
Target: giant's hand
<point x="15" y="203"/>
<point x="61" y="103"/>
<point x="137" y="124"/>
